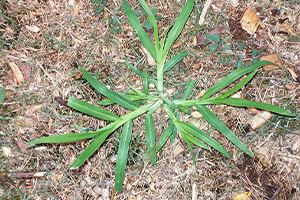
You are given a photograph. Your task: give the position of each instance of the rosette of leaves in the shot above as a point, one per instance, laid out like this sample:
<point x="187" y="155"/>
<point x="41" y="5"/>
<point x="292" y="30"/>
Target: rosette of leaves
<point x="151" y="101"/>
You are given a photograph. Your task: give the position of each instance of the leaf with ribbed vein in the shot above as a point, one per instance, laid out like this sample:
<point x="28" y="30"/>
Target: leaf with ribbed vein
<point x="233" y="76"/>
<point x="247" y="103"/>
<point x="178" y="26"/>
<point x="91" y="110"/>
<point x="65" y="138"/>
<point x="196" y="142"/>
<point x="174" y="60"/>
<point x="90" y="149"/>
<point x="114" y="96"/>
<point x="218" y="124"/>
<point x="165" y="136"/>
<point x="203" y="137"/>
<point x="189" y="88"/>
<point x="122" y="155"/>
<point x="238" y="86"/>
<point x="133" y="20"/>
<point x="150" y="138"/>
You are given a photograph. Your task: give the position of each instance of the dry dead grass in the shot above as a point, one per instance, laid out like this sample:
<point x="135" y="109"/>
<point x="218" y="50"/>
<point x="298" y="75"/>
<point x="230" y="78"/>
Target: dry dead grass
<point x="71" y="36"/>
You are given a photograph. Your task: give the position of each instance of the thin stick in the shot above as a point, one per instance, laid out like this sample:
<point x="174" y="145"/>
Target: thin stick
<point x="204" y="11"/>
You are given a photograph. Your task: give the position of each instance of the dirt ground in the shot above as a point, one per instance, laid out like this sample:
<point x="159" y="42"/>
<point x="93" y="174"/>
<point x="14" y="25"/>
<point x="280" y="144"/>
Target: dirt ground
<point x="46" y="42"/>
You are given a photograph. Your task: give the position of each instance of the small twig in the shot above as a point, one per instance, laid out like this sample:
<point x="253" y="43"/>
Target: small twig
<point x="204" y="11"/>
<point x="276" y="193"/>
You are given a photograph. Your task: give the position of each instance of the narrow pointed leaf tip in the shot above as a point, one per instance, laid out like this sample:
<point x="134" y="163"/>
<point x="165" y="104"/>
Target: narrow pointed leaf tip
<point x="122" y="155"/>
<point x="114" y="96"/>
<point x="133" y="20"/>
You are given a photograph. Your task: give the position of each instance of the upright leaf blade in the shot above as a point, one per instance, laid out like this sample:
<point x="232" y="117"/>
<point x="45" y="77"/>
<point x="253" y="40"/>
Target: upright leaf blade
<point x="2" y="95"/>
<point x="91" y="110"/>
<point x="150" y="138"/>
<point x="114" y="96"/>
<point x="165" y="136"/>
<point x="122" y="155"/>
<point x="153" y="23"/>
<point x="218" y="124"/>
<point x="133" y="20"/>
<point x="146" y="84"/>
<point x="178" y="26"/>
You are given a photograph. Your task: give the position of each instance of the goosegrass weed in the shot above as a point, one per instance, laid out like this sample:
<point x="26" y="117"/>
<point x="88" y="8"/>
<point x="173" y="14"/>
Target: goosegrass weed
<point x="140" y="102"/>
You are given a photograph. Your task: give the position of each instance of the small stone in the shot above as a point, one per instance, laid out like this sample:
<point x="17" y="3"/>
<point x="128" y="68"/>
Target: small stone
<point x="128" y="187"/>
<point x="196" y="114"/>
<point x="151" y="85"/>
<point x="7" y="151"/>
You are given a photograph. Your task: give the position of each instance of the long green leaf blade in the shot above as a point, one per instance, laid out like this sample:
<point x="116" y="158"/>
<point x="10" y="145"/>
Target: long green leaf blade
<point x="133" y="20"/>
<point x="165" y="136"/>
<point x="238" y="86"/>
<point x="65" y="138"/>
<point x="100" y="87"/>
<point x="189" y="88"/>
<point x="2" y="95"/>
<point x="233" y="76"/>
<point x="183" y="133"/>
<point x="153" y="23"/>
<point x="178" y="26"/>
<point x="122" y="155"/>
<point x="91" y="110"/>
<point x="146" y="84"/>
<point x="218" y="124"/>
<point x="90" y="149"/>
<point x="174" y="60"/>
<point x="204" y="137"/>
<point x="150" y="138"/>
<point x="247" y="103"/>
<point x="196" y="142"/>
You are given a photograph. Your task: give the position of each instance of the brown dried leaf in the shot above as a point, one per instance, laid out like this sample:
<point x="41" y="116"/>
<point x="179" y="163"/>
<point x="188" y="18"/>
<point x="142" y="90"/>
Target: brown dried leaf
<point x="289" y="29"/>
<point x="16" y="72"/>
<point x="25" y="69"/>
<point x="61" y="101"/>
<point x="78" y="75"/>
<point x="20" y="144"/>
<point x="202" y="92"/>
<point x="150" y="60"/>
<point x="243" y="196"/>
<point x="177" y="149"/>
<point x="272" y="58"/>
<point x="250" y="21"/>
<point x="293" y="74"/>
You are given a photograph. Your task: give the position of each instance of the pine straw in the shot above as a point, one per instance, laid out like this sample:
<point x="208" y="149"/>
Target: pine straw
<point x="72" y="36"/>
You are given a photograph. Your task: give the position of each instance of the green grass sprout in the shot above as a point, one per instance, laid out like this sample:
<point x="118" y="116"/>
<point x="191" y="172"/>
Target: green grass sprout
<point x="146" y="101"/>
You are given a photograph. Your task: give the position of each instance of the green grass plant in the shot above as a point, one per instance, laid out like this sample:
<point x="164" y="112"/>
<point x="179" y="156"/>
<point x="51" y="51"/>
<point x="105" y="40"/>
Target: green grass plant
<point x="140" y="102"/>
